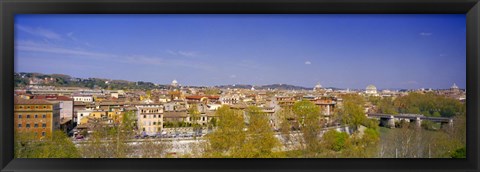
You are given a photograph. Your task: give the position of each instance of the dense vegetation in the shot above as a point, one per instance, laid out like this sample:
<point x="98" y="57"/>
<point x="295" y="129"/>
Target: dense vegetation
<point x="58" y="145"/>
<point x="428" y="104"/>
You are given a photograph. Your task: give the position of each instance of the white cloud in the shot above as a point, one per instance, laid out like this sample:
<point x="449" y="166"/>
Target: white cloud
<point x="308" y="62"/>
<point x="70" y="35"/>
<point x="41" y="47"/>
<point x="425" y="33"/>
<point x="31" y="46"/>
<point x="187" y="53"/>
<point x="39" y="32"/>
<point x="172" y="52"/>
<point x="183" y="53"/>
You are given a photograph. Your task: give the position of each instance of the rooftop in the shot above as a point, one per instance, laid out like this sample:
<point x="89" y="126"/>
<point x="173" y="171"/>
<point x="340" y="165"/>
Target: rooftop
<point x="21" y="101"/>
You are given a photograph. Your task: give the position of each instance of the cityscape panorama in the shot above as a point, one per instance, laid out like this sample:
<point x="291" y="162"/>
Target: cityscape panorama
<point x="240" y="86"/>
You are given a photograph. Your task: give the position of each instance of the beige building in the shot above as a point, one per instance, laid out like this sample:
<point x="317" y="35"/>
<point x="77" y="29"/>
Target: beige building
<point x="150" y="118"/>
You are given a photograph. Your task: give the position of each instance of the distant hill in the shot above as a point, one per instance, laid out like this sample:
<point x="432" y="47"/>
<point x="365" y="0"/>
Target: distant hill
<point x="270" y="86"/>
<point x="23" y="79"/>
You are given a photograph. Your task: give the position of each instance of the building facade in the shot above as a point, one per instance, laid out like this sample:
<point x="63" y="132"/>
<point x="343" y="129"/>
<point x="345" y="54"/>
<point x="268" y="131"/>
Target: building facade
<point x="35" y="116"/>
<point x="150" y="119"/>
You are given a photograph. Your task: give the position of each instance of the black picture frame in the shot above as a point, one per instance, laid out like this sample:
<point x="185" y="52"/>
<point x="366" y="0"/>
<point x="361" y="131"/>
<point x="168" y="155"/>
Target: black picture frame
<point x="9" y="8"/>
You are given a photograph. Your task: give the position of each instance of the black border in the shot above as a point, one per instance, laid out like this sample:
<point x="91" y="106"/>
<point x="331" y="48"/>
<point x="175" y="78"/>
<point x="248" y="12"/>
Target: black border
<point x="9" y="8"/>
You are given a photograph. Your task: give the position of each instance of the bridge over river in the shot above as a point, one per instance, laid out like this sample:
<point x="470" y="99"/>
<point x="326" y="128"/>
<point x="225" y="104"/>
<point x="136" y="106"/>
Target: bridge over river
<point x="388" y="120"/>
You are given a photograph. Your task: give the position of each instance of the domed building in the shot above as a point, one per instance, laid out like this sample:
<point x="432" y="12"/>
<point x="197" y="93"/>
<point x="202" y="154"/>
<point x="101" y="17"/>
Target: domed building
<point x="317" y="87"/>
<point x="371" y="89"/>
<point x="174" y="83"/>
<point x="454" y="88"/>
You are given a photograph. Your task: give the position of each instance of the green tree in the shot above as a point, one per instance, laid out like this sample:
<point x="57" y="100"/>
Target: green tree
<point x="285" y="116"/>
<point x="460" y="153"/>
<point x="429" y="104"/>
<point x="308" y="116"/>
<point x="260" y="140"/>
<point x="353" y="114"/>
<point x="194" y="117"/>
<point x="352" y="111"/>
<point x="334" y="140"/>
<point x="27" y="145"/>
<point x="58" y="145"/>
<point x="386" y="105"/>
<point x="229" y="137"/>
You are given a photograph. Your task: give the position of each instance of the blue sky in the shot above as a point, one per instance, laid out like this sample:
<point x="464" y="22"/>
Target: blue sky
<point x="345" y="51"/>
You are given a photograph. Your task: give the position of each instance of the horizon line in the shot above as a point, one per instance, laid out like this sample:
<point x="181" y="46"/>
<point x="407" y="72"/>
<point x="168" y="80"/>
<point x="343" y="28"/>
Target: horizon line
<point x="253" y="85"/>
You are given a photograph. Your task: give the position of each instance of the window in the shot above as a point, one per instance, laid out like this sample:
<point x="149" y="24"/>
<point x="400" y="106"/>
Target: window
<point x="21" y="107"/>
<point x="44" y="116"/>
<point x="36" y="107"/>
<point x="19" y="125"/>
<point x="154" y="123"/>
<point x="43" y="133"/>
<point x="19" y="116"/>
<point x="44" y="107"/>
<point x="154" y="116"/>
<point x="44" y="125"/>
<point x="143" y="129"/>
<point x="36" y="116"/>
<point x="28" y="126"/>
<point x="35" y="125"/>
<point x="144" y="116"/>
<point x="28" y="116"/>
<point x="81" y="114"/>
<point x="28" y="107"/>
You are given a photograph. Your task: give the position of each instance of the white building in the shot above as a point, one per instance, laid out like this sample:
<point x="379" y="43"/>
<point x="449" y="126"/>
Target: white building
<point x="317" y="87"/>
<point x="230" y="99"/>
<point x="454" y="87"/>
<point x="174" y="83"/>
<point x="371" y="90"/>
<point x="83" y="113"/>
<point x="83" y="98"/>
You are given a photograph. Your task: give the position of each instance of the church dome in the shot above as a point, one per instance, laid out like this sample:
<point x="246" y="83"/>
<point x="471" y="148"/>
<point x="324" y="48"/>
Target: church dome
<point x="174" y="83"/>
<point x="317" y="87"/>
<point x="454" y="86"/>
<point x="371" y="89"/>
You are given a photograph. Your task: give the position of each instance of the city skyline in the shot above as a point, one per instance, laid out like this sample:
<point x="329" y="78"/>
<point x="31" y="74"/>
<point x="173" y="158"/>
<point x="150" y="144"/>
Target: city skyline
<point x="409" y="51"/>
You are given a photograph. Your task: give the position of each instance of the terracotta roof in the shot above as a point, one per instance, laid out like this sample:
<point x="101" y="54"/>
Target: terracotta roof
<point x="200" y="97"/>
<point x="21" y="101"/>
<point x="53" y="98"/>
